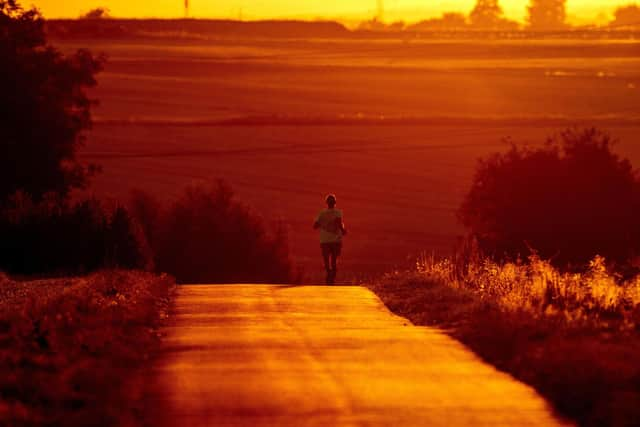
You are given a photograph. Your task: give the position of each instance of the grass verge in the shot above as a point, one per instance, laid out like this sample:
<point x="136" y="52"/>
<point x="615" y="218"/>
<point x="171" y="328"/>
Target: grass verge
<point x="69" y="347"/>
<point x="573" y="337"/>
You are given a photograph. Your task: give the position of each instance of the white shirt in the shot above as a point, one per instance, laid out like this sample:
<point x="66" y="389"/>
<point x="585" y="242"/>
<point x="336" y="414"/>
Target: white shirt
<point x="329" y="221"/>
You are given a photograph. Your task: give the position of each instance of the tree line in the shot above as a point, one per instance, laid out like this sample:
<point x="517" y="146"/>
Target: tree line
<point x="542" y="15"/>
<point x="205" y="235"/>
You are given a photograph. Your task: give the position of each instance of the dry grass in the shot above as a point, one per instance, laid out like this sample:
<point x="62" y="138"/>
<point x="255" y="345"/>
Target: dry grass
<point x="574" y="337"/>
<point x="69" y="347"/>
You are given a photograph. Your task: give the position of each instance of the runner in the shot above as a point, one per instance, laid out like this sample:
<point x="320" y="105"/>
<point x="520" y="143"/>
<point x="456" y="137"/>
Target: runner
<point x="331" y="226"/>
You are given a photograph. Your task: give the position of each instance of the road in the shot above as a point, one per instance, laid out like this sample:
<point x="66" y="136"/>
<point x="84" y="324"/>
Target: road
<point x="268" y="355"/>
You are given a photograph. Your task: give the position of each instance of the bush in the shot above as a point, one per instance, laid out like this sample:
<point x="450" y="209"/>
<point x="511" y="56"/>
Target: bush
<point x="206" y="236"/>
<point x="569" y="200"/>
<point x="71" y="349"/>
<point x="55" y="236"/>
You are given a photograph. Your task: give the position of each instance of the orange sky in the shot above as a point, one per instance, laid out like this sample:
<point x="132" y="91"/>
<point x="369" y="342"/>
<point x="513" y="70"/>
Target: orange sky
<point x="408" y="10"/>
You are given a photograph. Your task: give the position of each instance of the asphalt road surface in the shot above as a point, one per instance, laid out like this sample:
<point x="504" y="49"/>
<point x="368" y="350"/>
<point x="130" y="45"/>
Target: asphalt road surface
<point x="268" y="355"/>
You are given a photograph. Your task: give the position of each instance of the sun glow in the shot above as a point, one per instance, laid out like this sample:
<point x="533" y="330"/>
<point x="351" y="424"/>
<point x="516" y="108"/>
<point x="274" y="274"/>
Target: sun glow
<point x="353" y="10"/>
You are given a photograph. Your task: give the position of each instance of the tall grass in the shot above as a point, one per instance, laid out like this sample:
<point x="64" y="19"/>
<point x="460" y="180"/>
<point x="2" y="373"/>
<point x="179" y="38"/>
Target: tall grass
<point x="573" y="336"/>
<point x="596" y="296"/>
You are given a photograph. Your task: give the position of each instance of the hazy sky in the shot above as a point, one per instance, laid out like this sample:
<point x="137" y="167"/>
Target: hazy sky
<point x="407" y="10"/>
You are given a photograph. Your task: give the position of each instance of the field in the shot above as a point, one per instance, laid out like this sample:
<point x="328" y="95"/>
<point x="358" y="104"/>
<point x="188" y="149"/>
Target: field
<point x="394" y="127"/>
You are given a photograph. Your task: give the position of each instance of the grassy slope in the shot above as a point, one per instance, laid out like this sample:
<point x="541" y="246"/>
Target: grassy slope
<point x="584" y="360"/>
<point x="69" y="348"/>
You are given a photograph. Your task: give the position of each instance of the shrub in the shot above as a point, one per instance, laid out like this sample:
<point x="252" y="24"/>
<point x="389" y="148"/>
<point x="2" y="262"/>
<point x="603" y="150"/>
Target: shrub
<point x="207" y="236"/>
<point x="569" y="200"/>
<point x="56" y="236"/>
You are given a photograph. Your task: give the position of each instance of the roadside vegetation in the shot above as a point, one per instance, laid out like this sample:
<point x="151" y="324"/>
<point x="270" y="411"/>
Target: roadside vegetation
<point x="572" y="336"/>
<point x="546" y="286"/>
<point x="58" y="237"/>
<point x="204" y="236"/>
<point x="71" y="349"/>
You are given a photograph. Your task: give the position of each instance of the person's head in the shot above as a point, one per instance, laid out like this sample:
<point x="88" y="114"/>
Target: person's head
<point x="331" y="200"/>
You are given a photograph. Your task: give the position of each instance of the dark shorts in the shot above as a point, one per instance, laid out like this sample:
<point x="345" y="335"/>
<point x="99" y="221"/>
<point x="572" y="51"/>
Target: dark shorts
<point x="331" y="249"/>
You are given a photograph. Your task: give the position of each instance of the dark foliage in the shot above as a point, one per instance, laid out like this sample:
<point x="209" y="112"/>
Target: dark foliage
<point x="43" y="106"/>
<point x="206" y="236"/>
<point x="54" y="236"/>
<point x="486" y="13"/>
<point x="569" y="200"/>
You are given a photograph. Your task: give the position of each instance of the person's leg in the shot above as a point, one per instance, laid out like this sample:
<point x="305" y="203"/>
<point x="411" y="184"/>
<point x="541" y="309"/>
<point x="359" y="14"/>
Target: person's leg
<point x="331" y="274"/>
<point x="326" y="253"/>
<point x="335" y="253"/>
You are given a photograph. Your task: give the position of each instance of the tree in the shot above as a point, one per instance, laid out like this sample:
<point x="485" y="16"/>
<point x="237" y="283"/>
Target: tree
<point x="486" y="14"/>
<point x="547" y="14"/>
<point x="126" y="245"/>
<point x="627" y="16"/>
<point x="569" y="200"/>
<point x="97" y="13"/>
<point x="44" y="107"/>
<point x="60" y="236"/>
<point x="206" y="236"/>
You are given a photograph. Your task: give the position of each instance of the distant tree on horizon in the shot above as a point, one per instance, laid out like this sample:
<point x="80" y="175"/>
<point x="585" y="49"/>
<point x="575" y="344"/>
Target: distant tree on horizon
<point x="628" y="15"/>
<point x="547" y="14"/>
<point x="486" y="13"/>
<point x="45" y="109"/>
<point x="97" y="13"/>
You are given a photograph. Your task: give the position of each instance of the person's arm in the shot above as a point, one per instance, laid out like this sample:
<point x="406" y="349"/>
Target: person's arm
<point x="341" y="226"/>
<point x="316" y="225"/>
